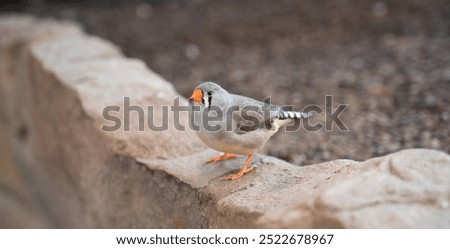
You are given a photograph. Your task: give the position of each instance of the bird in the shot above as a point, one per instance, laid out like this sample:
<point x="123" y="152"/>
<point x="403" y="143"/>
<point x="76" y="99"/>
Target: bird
<point x="238" y="125"/>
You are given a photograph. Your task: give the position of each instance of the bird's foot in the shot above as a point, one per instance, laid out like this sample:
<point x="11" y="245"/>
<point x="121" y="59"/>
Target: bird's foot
<point x="222" y="157"/>
<point x="239" y="174"/>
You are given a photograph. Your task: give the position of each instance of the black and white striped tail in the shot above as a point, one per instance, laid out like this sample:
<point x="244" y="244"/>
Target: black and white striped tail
<point x="293" y="115"/>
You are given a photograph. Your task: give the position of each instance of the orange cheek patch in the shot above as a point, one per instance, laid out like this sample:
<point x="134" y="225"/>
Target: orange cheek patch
<point x="197" y="96"/>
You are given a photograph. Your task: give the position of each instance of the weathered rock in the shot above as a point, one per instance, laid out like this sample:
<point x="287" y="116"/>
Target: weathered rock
<point x="408" y="189"/>
<point x="56" y="81"/>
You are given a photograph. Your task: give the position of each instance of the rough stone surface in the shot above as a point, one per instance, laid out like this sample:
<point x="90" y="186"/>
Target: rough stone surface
<point x="55" y="82"/>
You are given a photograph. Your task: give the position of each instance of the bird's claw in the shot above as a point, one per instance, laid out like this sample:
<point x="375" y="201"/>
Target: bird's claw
<point x="222" y="157"/>
<point x="239" y="174"/>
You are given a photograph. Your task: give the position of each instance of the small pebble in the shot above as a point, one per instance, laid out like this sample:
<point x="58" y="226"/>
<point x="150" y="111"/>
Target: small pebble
<point x="192" y="51"/>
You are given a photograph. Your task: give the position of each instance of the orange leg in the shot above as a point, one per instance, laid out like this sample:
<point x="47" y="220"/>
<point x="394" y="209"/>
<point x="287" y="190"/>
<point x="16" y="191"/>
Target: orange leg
<point x="243" y="171"/>
<point x="222" y="157"/>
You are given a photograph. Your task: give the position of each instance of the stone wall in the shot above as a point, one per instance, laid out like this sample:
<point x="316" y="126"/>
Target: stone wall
<point x="59" y="169"/>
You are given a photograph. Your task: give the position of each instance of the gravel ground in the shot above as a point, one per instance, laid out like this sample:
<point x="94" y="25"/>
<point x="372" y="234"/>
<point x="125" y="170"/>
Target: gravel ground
<point x="388" y="60"/>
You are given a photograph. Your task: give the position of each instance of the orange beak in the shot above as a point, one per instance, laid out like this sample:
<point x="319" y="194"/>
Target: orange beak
<point x="197" y="96"/>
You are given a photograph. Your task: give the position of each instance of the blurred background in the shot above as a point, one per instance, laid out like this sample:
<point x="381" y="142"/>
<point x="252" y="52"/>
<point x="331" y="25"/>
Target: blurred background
<point x="389" y="60"/>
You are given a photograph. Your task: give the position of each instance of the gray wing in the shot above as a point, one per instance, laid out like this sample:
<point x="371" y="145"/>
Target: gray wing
<point x="249" y="114"/>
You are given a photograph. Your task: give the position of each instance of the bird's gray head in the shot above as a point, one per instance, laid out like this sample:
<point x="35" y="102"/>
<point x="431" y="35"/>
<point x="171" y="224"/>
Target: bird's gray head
<point x="207" y="92"/>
